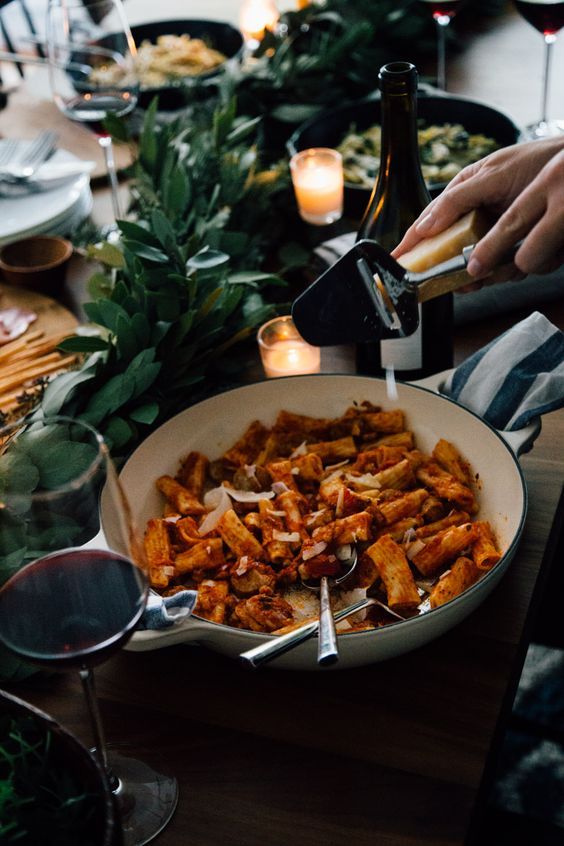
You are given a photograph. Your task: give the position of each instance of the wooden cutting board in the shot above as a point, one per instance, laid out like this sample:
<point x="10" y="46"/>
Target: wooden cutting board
<point x="52" y="317"/>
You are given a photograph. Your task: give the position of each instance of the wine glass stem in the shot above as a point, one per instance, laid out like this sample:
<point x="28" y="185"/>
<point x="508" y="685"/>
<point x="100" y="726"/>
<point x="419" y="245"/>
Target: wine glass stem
<point x="442" y="23"/>
<point x="107" y="146"/>
<point x="87" y="679"/>
<point x="549" y="41"/>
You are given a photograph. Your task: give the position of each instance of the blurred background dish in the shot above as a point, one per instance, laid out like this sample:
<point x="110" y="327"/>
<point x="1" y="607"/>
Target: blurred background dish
<point x="330" y="128"/>
<point x="218" y="35"/>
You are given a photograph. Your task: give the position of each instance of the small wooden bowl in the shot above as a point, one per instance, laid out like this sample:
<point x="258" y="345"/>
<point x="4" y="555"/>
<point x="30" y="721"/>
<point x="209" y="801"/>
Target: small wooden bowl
<point x="38" y="262"/>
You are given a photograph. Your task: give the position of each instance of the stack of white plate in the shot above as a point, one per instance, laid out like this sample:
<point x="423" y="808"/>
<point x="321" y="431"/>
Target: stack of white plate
<point x="55" y="212"/>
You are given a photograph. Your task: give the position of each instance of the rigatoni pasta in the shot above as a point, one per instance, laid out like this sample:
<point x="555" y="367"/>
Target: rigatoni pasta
<point x="287" y="503"/>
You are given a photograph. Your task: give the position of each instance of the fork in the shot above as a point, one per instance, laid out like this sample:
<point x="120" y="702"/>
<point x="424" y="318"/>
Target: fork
<point x="8" y="150"/>
<point x="37" y="152"/>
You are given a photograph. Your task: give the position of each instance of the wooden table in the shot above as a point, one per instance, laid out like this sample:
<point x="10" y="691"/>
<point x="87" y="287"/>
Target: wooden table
<point x="392" y="754"/>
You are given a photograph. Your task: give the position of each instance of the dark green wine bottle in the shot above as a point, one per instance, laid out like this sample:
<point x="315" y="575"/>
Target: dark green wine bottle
<point x="398" y="198"/>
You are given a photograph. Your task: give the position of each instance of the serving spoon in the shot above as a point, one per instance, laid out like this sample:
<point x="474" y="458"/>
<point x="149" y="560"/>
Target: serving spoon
<point x="266" y="652"/>
<point x="327" y="649"/>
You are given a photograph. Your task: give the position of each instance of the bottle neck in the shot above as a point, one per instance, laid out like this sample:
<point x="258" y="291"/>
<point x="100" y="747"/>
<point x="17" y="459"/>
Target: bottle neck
<point x="400" y="150"/>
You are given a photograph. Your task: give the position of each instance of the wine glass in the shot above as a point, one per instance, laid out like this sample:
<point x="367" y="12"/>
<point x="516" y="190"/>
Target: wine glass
<point x="443" y="12"/>
<point x="547" y="16"/>
<point x="92" y="70"/>
<point x="71" y="600"/>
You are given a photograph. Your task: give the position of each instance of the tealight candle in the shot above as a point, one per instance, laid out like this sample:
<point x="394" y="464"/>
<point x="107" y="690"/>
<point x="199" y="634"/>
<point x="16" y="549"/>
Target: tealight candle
<point x="283" y="351"/>
<point x="317" y="177"/>
<point x="255" y="17"/>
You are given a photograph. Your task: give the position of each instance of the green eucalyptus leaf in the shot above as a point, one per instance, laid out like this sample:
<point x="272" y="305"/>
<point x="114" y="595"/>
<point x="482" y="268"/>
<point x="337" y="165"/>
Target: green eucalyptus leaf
<point x="61" y="389"/>
<point x="117" y="432"/>
<point x="138" y="232"/>
<point x="107" y="254"/>
<point x="83" y="344"/>
<point x="65" y="462"/>
<point x="142" y="328"/>
<point x="145" y="251"/>
<point x="111" y="396"/>
<point x="126" y="340"/>
<point x="18" y="473"/>
<point x="99" y="285"/>
<point x="207" y="259"/>
<point x="146" y="413"/>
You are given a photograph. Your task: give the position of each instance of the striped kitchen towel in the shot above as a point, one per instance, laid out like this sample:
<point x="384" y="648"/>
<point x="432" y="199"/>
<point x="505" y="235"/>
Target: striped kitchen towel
<point x="161" y="612"/>
<point x="515" y="378"/>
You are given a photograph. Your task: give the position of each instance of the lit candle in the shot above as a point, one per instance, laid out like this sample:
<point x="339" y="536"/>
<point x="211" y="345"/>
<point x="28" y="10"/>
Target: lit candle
<point x="283" y="350"/>
<point x="317" y="177"/>
<point x="255" y="17"/>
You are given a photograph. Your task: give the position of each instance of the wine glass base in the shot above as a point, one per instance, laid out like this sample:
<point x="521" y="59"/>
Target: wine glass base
<point x="146" y="799"/>
<point x="545" y="129"/>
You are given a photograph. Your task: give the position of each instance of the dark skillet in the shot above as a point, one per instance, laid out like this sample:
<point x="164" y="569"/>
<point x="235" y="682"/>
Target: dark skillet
<point x="329" y="128"/>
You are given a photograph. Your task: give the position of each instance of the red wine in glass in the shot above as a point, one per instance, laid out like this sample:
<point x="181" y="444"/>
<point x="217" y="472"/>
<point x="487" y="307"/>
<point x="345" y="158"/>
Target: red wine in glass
<point x="93" y="109"/>
<point x="547" y="17"/>
<point x="72" y="609"/>
<point x="92" y="68"/>
<point x="443" y="11"/>
<point x="72" y="602"/>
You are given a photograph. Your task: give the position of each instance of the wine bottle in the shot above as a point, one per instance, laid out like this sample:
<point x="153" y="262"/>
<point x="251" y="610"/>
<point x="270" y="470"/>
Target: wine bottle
<point x="399" y="196"/>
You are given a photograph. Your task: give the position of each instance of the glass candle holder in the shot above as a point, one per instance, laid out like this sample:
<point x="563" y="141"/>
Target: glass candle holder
<point x="284" y="352"/>
<point x="317" y="177"/>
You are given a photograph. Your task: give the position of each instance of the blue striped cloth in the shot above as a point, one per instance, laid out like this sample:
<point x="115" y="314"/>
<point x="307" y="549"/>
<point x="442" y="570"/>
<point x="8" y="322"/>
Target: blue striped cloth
<point x="515" y="378"/>
<point x="162" y="612"/>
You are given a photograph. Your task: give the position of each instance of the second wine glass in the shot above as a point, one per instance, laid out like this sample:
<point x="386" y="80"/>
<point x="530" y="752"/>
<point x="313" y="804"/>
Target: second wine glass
<point x="73" y="599"/>
<point x="91" y="56"/>
<point x="443" y="12"/>
<point x="547" y="17"/>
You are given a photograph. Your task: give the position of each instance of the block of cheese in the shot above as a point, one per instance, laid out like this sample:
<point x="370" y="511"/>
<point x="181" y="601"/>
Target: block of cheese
<point x="432" y="251"/>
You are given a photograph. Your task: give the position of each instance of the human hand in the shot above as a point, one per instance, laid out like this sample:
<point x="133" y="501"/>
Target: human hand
<point x="523" y="186"/>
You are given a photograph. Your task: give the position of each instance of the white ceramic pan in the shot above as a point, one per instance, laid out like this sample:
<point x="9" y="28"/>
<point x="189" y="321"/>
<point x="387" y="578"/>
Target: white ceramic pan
<point x="213" y="425"/>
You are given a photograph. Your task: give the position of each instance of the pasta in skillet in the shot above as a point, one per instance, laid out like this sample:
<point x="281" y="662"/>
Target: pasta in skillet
<point x="286" y="503"/>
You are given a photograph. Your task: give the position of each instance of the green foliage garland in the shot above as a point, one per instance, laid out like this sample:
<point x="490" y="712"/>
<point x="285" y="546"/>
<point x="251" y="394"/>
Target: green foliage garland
<point x="201" y="268"/>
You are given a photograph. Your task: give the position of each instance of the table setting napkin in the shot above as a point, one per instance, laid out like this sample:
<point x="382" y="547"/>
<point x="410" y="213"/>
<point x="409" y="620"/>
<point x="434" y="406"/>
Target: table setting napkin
<point x="514" y="379"/>
<point x="162" y="612"/>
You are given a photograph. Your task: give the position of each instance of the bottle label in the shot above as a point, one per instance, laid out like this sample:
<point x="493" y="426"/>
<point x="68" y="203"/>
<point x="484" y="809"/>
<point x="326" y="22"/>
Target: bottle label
<point x="403" y="353"/>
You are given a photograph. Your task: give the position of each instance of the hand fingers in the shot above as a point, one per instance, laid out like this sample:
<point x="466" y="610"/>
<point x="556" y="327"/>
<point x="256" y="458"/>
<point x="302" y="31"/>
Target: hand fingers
<point x="493" y="249"/>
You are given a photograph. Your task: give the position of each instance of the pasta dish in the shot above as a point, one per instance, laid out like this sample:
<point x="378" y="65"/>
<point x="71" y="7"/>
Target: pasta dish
<point x="444" y="151"/>
<point x="286" y="504"/>
<point x="172" y="58"/>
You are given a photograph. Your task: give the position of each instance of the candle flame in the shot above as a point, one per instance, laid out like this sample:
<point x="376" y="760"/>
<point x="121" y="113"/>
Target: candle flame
<point x="256" y="17"/>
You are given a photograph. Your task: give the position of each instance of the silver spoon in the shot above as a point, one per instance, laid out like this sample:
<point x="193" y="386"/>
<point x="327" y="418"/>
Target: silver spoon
<point x="327" y="649"/>
<point x="259" y="655"/>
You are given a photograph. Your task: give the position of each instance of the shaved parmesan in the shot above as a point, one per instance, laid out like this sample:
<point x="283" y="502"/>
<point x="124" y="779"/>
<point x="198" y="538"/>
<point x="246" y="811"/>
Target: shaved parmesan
<point x="366" y="480"/>
<point x="312" y="551"/>
<point x="217" y="499"/>
<point x="301" y="450"/>
<point x="286" y="537"/>
<point x="249" y="496"/>
<point x="344" y="552"/>
<point x="413" y="548"/>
